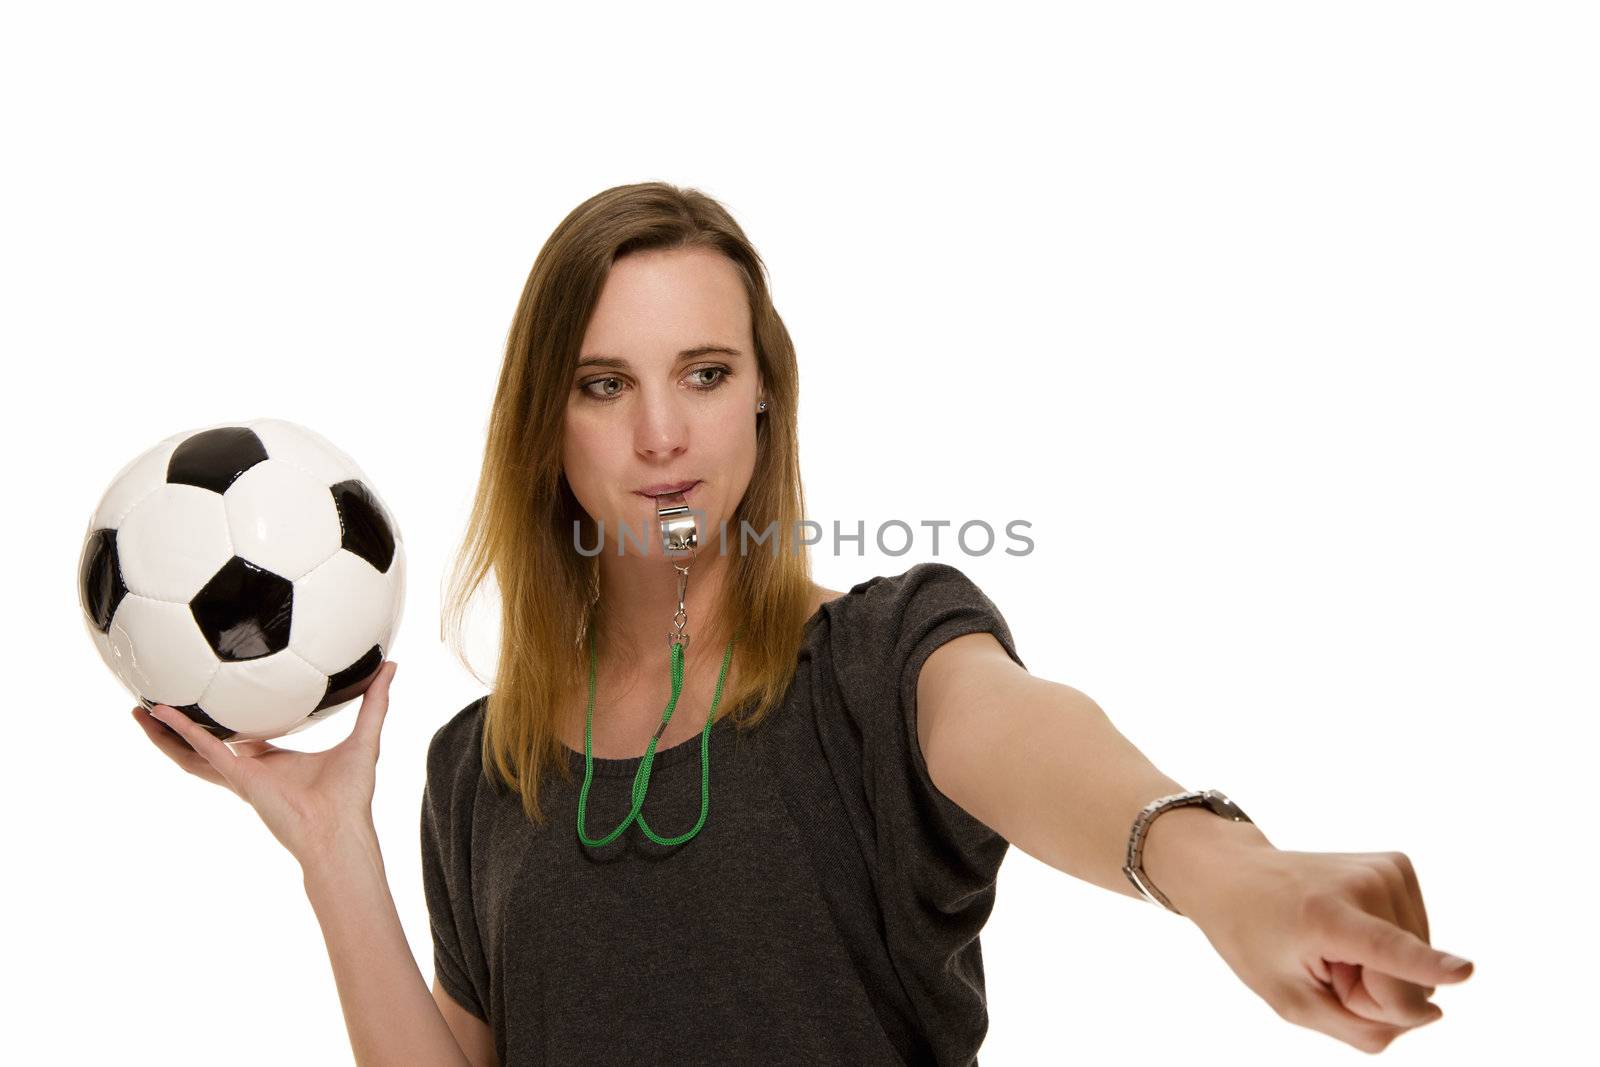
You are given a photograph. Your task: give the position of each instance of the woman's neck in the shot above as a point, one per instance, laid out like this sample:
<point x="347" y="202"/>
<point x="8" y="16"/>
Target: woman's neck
<point x="640" y="600"/>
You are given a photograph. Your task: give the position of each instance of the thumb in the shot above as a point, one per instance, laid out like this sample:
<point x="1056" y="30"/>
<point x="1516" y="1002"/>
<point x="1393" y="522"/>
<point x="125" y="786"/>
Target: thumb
<point x="1355" y="936"/>
<point x="375" y="706"/>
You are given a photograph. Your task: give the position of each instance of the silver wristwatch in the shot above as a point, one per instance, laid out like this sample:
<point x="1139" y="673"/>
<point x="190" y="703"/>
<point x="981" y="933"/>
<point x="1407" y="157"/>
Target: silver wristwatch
<point x="1210" y="799"/>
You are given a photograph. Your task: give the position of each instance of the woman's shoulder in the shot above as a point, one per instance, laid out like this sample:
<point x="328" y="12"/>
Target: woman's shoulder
<point x="887" y="597"/>
<point x="885" y="615"/>
<point x="901" y="618"/>
<point x="821" y="595"/>
<point x="457" y="738"/>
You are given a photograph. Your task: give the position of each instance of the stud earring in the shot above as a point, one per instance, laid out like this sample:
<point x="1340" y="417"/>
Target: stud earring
<point x="761" y="406"/>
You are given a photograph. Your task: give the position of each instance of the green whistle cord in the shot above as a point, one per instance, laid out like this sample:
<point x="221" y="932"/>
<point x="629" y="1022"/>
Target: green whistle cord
<point x="641" y="780"/>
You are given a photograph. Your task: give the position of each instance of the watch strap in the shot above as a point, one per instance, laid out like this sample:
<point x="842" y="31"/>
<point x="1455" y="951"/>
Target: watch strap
<point x="1212" y="800"/>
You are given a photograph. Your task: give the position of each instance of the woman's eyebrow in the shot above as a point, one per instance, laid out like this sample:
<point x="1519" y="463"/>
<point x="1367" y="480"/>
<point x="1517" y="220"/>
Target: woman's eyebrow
<point x="687" y="353"/>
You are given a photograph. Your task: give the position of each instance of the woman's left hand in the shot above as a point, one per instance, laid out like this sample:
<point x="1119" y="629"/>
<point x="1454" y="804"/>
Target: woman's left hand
<point x="1333" y="941"/>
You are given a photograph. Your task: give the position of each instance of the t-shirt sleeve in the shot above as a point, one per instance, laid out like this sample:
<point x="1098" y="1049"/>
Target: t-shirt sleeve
<point x="937" y="864"/>
<point x="453" y="769"/>
<point x="906" y="618"/>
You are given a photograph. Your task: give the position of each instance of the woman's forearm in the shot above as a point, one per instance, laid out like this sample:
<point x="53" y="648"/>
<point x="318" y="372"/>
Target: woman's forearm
<point x="1103" y="781"/>
<point x="1043" y="765"/>
<point x="388" y="1008"/>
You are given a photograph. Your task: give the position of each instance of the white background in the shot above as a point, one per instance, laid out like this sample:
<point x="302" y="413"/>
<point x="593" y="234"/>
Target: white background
<point x="1276" y="321"/>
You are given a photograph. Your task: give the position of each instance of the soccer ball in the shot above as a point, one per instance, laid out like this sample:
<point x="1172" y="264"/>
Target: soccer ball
<point x="247" y="575"/>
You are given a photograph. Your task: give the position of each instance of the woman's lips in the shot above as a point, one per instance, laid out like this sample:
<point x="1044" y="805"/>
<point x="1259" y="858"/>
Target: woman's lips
<point x="666" y="489"/>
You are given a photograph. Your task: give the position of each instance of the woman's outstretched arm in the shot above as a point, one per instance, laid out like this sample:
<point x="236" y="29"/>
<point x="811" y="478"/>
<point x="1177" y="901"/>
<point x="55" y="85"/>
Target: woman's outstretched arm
<point x="1336" y="942"/>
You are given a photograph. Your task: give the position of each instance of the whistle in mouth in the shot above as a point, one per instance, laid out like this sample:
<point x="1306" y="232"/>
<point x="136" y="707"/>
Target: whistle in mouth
<point x="678" y="532"/>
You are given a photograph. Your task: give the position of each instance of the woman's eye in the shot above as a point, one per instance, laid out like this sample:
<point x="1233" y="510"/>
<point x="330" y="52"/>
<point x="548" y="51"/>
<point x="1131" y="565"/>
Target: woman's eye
<point x="587" y="388"/>
<point x="720" y="372"/>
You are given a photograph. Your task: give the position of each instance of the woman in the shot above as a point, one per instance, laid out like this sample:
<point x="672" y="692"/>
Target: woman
<point x="827" y="907"/>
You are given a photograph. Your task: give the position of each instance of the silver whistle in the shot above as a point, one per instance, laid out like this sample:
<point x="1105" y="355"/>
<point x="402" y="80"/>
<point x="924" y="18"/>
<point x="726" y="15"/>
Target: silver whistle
<point x="678" y="533"/>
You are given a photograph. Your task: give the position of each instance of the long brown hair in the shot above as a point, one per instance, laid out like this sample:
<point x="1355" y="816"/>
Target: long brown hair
<point x="523" y="514"/>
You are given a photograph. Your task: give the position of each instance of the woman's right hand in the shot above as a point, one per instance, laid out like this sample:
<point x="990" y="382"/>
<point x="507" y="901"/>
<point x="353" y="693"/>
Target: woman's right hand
<point x="307" y="799"/>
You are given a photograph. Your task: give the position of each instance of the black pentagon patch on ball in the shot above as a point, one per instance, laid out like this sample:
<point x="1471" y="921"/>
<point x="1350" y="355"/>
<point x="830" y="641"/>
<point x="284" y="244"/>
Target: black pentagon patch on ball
<point x="214" y="459"/>
<point x="244" y="611"/>
<point x="196" y="716"/>
<point x="368" y="530"/>
<point x="353" y="680"/>
<point x="100" y="585"/>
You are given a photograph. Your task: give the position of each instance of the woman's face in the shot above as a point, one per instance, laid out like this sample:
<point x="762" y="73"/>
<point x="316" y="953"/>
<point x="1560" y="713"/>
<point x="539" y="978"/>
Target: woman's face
<point x="665" y="392"/>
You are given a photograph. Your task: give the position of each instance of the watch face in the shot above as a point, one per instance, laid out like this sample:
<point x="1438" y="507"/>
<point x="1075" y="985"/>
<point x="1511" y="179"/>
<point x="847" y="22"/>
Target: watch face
<point x="1218" y="802"/>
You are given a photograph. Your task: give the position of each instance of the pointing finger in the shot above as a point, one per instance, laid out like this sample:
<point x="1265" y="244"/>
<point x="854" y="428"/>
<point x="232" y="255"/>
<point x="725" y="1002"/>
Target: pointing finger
<point x="1354" y="936"/>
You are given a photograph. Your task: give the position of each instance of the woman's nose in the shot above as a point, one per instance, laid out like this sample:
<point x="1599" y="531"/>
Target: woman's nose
<point x="661" y="425"/>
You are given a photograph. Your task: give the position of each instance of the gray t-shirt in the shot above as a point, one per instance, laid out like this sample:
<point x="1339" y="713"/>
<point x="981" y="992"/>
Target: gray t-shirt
<point x="827" y="912"/>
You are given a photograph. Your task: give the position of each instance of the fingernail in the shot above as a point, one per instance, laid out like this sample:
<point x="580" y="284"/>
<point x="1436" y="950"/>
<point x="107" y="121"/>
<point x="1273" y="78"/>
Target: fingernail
<point x="1452" y="963"/>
